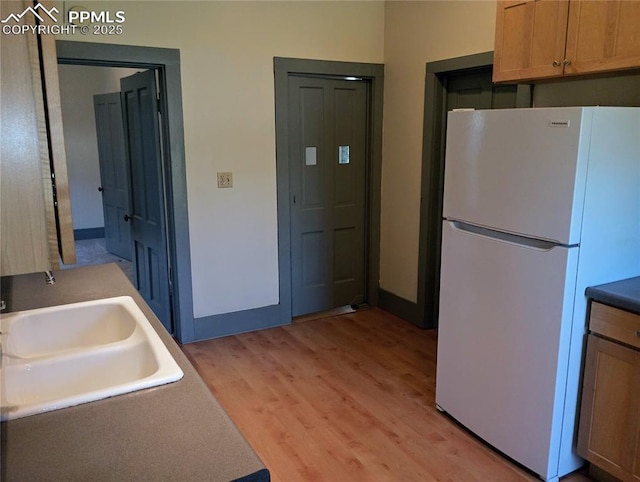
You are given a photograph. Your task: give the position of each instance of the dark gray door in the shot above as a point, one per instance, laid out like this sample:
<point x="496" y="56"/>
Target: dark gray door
<point x="147" y="216"/>
<point x="328" y="140"/>
<point x="476" y="90"/>
<point x="114" y="173"/>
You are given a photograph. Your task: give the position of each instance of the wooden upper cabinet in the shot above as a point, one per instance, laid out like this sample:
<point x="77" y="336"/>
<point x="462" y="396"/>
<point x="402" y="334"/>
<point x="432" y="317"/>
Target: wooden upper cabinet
<point x="35" y="229"/>
<point x="60" y="228"/>
<point x="23" y="170"/>
<point x="530" y="39"/>
<point x="603" y="36"/>
<point x="541" y="39"/>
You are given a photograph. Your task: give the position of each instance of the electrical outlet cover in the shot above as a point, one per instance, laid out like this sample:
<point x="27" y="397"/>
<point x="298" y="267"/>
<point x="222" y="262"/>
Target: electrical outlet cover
<point x="225" y="179"/>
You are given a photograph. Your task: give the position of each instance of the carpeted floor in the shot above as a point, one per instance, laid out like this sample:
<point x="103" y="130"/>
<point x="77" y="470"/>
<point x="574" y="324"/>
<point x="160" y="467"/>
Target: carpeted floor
<point x="94" y="251"/>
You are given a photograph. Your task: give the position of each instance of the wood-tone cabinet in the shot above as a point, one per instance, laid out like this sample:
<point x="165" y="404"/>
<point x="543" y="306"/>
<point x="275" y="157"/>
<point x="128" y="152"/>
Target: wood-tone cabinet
<point x="530" y="39"/>
<point x="609" y="431"/>
<point x="35" y="222"/>
<point x="542" y="39"/>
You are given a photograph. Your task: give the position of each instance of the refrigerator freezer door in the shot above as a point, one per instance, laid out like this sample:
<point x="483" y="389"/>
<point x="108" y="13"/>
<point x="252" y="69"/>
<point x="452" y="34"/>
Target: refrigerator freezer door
<point x="518" y="170"/>
<point x="505" y="315"/>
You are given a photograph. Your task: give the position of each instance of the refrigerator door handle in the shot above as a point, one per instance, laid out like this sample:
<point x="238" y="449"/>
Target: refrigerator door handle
<point x="523" y="241"/>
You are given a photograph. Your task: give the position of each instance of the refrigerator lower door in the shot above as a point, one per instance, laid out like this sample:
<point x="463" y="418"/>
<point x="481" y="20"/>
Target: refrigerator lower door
<point x="505" y="320"/>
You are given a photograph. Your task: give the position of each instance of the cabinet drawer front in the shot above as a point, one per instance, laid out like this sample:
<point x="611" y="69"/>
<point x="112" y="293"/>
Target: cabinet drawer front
<point x="616" y="324"/>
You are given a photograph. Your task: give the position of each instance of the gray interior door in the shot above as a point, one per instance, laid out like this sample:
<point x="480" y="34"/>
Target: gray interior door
<point x="114" y="173"/>
<point x="147" y="215"/>
<point x="476" y="90"/>
<point x="328" y="140"/>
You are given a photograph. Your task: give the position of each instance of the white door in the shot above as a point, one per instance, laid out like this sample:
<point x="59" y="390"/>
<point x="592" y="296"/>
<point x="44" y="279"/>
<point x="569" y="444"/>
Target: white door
<point x="505" y="312"/>
<point x="518" y="170"/>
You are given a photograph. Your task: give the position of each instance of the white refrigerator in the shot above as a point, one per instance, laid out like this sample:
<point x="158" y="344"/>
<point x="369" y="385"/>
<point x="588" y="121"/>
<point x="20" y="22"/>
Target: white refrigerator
<point x="538" y="205"/>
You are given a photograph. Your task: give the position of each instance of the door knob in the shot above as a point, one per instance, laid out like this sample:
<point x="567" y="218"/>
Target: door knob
<point x="556" y="63"/>
<point x="566" y="62"/>
<point x="100" y="189"/>
<point x="127" y="217"/>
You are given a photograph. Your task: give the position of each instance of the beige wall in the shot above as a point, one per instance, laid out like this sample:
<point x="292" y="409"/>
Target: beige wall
<point x="416" y="33"/>
<point x="227" y="51"/>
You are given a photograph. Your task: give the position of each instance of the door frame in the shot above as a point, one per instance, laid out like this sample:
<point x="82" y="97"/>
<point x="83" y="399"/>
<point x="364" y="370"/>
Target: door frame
<point x="374" y="75"/>
<point x="167" y="63"/>
<point x="432" y="178"/>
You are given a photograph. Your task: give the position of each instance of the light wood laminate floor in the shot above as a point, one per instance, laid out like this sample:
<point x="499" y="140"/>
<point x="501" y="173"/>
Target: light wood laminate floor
<point x="345" y="398"/>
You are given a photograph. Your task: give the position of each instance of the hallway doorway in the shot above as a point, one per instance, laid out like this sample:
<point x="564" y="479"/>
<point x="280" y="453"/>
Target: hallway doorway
<point x="167" y="64"/>
<point x="78" y="85"/>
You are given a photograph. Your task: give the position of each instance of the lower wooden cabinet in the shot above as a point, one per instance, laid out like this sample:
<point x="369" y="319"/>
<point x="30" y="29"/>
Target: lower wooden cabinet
<point x="609" y="432"/>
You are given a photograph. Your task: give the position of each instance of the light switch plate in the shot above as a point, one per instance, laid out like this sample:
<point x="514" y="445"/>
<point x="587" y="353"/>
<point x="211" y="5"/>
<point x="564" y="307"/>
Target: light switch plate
<point x="225" y="179"/>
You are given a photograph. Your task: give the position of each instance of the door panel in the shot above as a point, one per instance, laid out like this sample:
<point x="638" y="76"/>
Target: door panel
<point x="345" y="265"/>
<point x="349" y="194"/>
<point x="147" y="219"/>
<point x="473" y="90"/>
<point x="328" y="170"/>
<point x="114" y="177"/>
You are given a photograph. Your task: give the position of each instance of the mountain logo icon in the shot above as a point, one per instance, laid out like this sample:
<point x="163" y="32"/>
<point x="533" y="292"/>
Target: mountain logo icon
<point x="35" y="11"/>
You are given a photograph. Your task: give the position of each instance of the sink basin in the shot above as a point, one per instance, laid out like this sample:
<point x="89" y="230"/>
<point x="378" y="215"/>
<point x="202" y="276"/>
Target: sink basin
<point x="44" y="332"/>
<point x="66" y="355"/>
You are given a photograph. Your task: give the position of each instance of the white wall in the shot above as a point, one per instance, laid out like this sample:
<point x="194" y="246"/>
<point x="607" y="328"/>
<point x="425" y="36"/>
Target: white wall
<point x="416" y="33"/>
<point x="78" y="85"/>
<point x="227" y="51"/>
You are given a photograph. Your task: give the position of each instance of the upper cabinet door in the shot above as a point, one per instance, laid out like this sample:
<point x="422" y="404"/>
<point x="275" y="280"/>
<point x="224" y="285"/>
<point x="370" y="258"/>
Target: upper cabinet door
<point x="60" y="228"/>
<point x="36" y="228"/>
<point x="23" y="168"/>
<point x="530" y="39"/>
<point x="603" y="36"/>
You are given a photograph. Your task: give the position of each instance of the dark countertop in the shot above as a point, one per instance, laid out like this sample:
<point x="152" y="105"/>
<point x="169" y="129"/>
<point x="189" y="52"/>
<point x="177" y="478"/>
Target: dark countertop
<point x="170" y="432"/>
<point x="623" y="294"/>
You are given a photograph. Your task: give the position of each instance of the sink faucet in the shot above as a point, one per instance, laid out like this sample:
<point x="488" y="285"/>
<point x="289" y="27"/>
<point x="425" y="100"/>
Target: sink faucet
<point x="49" y="279"/>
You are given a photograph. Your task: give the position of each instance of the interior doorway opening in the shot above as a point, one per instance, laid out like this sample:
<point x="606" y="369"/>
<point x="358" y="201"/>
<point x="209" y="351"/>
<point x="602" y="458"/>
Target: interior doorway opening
<point x="166" y="62"/>
<point x="78" y="85"/>
<point x="117" y="128"/>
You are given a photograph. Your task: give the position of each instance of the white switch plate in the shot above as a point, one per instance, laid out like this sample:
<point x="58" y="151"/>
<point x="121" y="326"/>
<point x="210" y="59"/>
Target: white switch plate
<point x="225" y="179"/>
